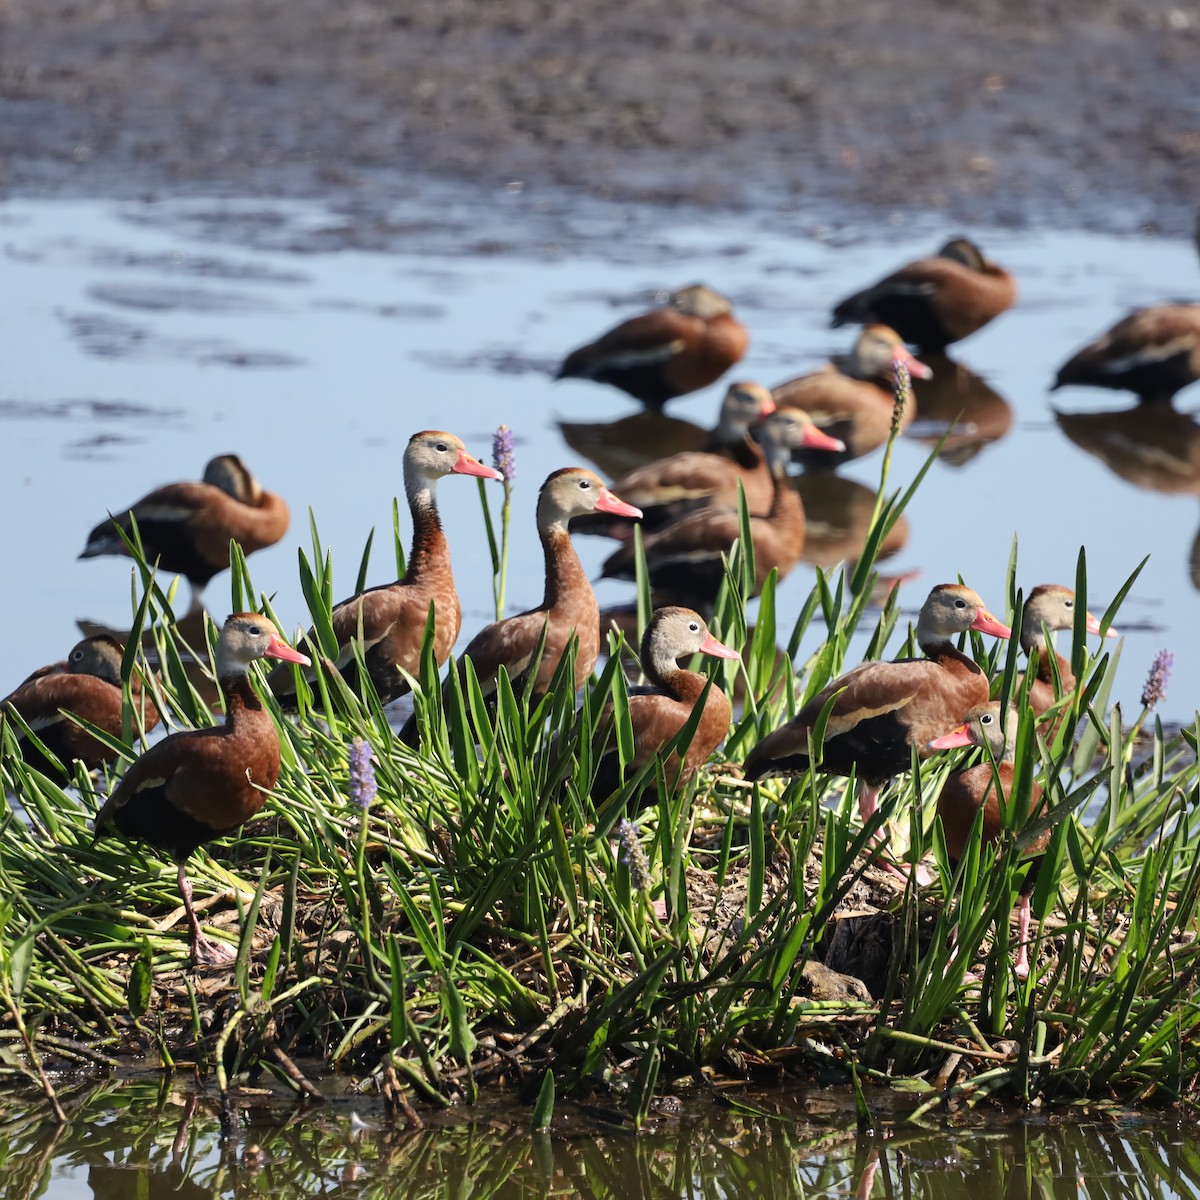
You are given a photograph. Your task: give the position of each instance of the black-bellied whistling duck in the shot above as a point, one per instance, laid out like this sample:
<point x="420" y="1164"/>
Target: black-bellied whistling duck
<point x="852" y="396"/>
<point x="187" y="527"/>
<point x="965" y="792"/>
<point x="666" y="489"/>
<point x="684" y="558"/>
<point x="1049" y="608"/>
<point x="201" y="784"/>
<point x="390" y="619"/>
<point x="935" y="301"/>
<point x="568" y="609"/>
<point x="883" y="709"/>
<point x="1154" y="353"/>
<point x="687" y="344"/>
<point x="660" y="711"/>
<point x="86" y="683"/>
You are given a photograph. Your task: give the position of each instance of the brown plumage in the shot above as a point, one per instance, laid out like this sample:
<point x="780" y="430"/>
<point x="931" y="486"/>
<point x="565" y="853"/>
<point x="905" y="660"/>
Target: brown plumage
<point x="669" y="487"/>
<point x="935" y="301"/>
<point x="684" y="558"/>
<point x="392" y="617"/>
<point x="568" y="609"/>
<point x="965" y="792"/>
<point x="659" y="712"/>
<point x="687" y="344"/>
<point x="883" y="709"/>
<point x="187" y="527"/>
<point x="1049" y="608"/>
<point x="87" y="683"/>
<point x="852" y="397"/>
<point x="200" y="784"/>
<point x="1154" y="353"/>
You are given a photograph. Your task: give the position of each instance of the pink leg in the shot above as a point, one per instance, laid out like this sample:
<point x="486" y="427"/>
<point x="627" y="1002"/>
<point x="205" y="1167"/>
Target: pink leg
<point x="205" y="953"/>
<point x="1021" y="962"/>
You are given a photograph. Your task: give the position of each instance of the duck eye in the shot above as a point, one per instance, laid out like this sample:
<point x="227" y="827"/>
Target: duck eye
<point x="585" y="483"/>
<point x="255" y="631"/>
<point x="77" y="656"/>
<point x="441" y="447"/>
<point x="960" y="604"/>
<point x="986" y="719"/>
<point x="1069" y="603"/>
<point x="693" y="627"/>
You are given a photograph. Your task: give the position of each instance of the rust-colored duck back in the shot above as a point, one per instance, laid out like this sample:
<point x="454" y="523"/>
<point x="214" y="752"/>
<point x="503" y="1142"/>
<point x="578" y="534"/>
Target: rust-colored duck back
<point x="687" y="344"/>
<point x="187" y="527"/>
<point x="935" y="301"/>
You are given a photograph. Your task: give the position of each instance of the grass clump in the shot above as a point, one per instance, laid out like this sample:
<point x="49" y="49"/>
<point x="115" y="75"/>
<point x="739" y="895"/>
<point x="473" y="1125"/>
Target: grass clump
<point x="433" y="922"/>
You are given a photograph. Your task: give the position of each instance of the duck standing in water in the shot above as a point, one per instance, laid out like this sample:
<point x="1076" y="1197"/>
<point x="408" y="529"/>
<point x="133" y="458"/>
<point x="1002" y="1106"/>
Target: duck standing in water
<point x="1154" y="353"/>
<point x="967" y="791"/>
<point x="852" y="397"/>
<point x="881" y="710"/>
<point x="201" y="784"/>
<point x="935" y="301"/>
<point x="687" y="344"/>
<point x="86" y="684"/>
<point x="186" y="528"/>
<point x="388" y="622"/>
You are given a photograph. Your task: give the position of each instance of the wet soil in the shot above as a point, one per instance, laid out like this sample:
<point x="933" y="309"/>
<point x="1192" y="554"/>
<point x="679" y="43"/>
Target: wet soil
<point x="1080" y="112"/>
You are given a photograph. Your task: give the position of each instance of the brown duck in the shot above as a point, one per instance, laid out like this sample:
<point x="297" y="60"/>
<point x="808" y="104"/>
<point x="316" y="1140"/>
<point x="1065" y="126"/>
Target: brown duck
<point x="1154" y="353"/>
<point x="568" y="609"/>
<point x="661" y="710"/>
<point x="883" y="709"/>
<point x="87" y="684"/>
<point x="201" y="784"/>
<point x="684" y="558"/>
<point x="187" y="527"/>
<point x="935" y="301"/>
<point x="852" y="397"/>
<point x="392" y="617"/>
<point x="965" y="792"/>
<point x="687" y="344"/>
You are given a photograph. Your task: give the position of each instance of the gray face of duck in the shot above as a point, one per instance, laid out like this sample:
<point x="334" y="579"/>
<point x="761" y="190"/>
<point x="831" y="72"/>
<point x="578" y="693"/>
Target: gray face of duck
<point x="697" y="300"/>
<point x="231" y="475"/>
<point x="100" y="655"/>
<point x="745" y="404"/>
<point x="963" y="250"/>
<point x="788" y="429"/>
<point x="1051" y="606"/>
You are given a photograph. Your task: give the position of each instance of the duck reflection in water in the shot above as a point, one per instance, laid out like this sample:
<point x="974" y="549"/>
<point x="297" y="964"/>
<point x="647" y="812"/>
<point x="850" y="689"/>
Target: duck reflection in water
<point x="838" y="513"/>
<point x="615" y="448"/>
<point x="1153" y="446"/>
<point x="956" y="396"/>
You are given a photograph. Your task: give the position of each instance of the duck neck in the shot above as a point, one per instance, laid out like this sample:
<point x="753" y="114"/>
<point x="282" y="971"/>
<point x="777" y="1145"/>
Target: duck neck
<point x="430" y="549"/>
<point x="565" y="576"/>
<point x="240" y="697"/>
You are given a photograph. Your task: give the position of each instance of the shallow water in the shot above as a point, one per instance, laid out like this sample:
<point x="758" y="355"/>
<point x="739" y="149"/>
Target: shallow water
<point x="154" y="1140"/>
<point x="141" y="339"/>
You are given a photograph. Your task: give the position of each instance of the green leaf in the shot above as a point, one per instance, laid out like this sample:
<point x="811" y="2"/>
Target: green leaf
<point x="141" y="977"/>
<point x="543" y="1108"/>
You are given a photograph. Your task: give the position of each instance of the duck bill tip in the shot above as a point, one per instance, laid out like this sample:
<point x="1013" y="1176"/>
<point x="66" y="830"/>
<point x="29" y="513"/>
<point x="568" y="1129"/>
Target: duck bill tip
<point x="278" y="648"/>
<point x="960" y="736"/>
<point x="608" y="503"/>
<point x="986" y="623"/>
<point x="710" y="645"/>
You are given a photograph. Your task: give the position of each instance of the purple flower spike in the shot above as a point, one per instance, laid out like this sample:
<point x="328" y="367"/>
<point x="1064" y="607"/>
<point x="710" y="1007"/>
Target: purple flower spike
<point x="503" y="457"/>
<point x="632" y="855"/>
<point x="363" y="787"/>
<point x="903" y="380"/>
<point x="1155" y="689"/>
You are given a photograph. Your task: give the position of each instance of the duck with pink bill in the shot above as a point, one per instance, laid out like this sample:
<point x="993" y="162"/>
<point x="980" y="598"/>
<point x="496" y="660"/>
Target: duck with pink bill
<point x="967" y="791"/>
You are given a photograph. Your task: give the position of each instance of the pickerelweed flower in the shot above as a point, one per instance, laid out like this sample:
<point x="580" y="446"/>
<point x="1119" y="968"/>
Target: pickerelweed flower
<point x="503" y="457"/>
<point x="1155" y="689"/>
<point x="363" y="787"/>
<point x="903" y="392"/>
<point x="632" y="854"/>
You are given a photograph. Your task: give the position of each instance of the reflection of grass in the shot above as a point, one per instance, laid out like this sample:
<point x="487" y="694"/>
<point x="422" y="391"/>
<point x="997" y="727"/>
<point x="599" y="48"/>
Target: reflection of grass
<point x="145" y="1137"/>
<point x="478" y="923"/>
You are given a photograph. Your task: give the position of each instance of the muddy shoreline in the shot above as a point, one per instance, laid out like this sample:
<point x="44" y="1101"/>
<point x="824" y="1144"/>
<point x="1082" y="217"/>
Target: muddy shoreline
<point x="1072" y="115"/>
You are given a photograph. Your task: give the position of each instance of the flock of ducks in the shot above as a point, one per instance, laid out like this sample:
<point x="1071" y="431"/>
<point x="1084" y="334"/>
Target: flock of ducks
<point x="196" y="785"/>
